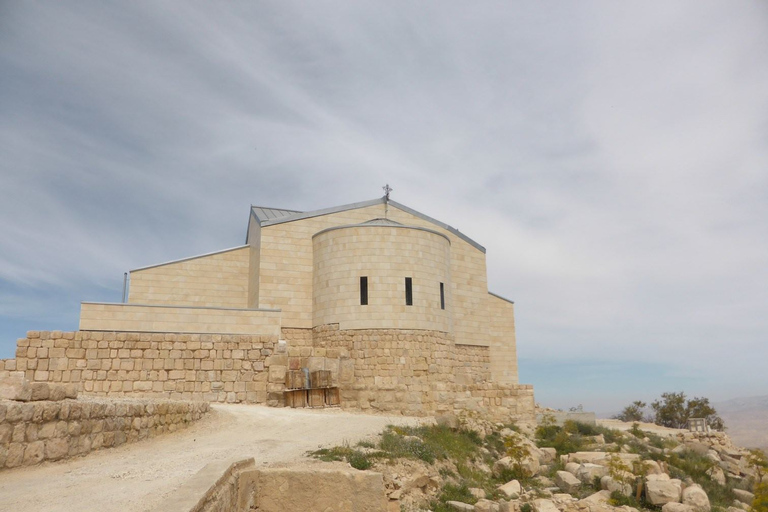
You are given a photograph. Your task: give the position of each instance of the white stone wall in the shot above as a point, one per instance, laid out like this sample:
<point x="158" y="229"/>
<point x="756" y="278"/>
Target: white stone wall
<point x="386" y="256"/>
<point x="215" y="280"/>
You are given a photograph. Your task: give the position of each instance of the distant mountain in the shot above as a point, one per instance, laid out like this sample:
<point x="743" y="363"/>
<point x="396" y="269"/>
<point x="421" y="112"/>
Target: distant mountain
<point x="746" y="420"/>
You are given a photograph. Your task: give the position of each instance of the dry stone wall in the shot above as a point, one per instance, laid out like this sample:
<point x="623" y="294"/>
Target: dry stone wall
<point x="210" y="367"/>
<point x="412" y="372"/>
<point x="33" y="432"/>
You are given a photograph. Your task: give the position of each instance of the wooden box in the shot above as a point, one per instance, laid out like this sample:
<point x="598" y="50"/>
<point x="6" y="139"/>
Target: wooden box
<point x="296" y="398"/>
<point x="295" y="379"/>
<point x="320" y="379"/>
<point x="316" y="397"/>
<point x="332" y="396"/>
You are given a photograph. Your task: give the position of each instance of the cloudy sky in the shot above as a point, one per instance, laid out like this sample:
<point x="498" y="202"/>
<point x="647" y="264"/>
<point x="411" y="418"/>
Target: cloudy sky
<point x="611" y="156"/>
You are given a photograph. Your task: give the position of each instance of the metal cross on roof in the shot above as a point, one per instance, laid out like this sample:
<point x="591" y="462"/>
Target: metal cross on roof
<point x="387" y="190"/>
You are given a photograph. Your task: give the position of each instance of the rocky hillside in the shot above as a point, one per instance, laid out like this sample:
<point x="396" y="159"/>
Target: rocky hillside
<point x="475" y="465"/>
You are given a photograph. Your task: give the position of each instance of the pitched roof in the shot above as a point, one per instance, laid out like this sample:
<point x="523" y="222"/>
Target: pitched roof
<point x="272" y="216"/>
<point x="263" y="213"/>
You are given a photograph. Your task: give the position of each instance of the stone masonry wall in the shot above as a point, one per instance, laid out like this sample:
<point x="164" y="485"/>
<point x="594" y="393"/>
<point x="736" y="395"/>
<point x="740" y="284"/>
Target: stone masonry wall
<point x="210" y="367"/>
<point x="417" y="372"/>
<point x="33" y="432"/>
<point x="411" y="372"/>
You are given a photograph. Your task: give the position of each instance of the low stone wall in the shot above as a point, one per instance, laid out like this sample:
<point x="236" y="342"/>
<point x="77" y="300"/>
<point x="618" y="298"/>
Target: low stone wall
<point x="240" y="487"/>
<point x="401" y="371"/>
<point x="33" y="432"/>
<point x="210" y="367"/>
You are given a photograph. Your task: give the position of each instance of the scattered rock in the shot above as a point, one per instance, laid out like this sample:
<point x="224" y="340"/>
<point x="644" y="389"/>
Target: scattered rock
<point x="742" y="495"/>
<point x="659" y="491"/>
<point x="544" y="505"/>
<point x="695" y="496"/>
<point x="461" y="507"/>
<point x="587" y="472"/>
<point x="717" y="475"/>
<point x="609" y="484"/>
<point x="477" y="492"/>
<point x="511" y="489"/>
<point x="676" y="507"/>
<point x="486" y="506"/>
<point x="567" y="482"/>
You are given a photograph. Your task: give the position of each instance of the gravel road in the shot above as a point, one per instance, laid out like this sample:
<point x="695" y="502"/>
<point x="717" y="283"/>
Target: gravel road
<point x="136" y="477"/>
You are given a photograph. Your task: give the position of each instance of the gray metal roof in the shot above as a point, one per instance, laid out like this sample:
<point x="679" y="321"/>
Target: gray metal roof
<point x="292" y="215"/>
<point x="263" y="213"/>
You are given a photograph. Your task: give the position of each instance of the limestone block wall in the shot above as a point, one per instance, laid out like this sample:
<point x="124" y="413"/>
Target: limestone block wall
<point x="411" y="372"/>
<point x="472" y="364"/>
<point x="385" y="255"/>
<point x="210" y="367"/>
<point x="414" y="372"/>
<point x="406" y="371"/>
<point x="503" y="343"/>
<point x="214" y="280"/>
<point x="183" y="319"/>
<point x="286" y="270"/>
<point x="33" y="432"/>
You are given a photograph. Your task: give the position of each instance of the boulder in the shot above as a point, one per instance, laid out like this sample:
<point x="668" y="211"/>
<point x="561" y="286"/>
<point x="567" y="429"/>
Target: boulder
<point x="530" y="465"/>
<point x="572" y="467"/>
<point x="15" y="387"/>
<point x="695" y="496"/>
<point x="511" y="488"/>
<point x="477" y="492"/>
<point x="716" y="474"/>
<point x="696" y="447"/>
<point x="676" y="507"/>
<point x="544" y="505"/>
<point x="567" y="482"/>
<point x="659" y="491"/>
<point x="601" y="458"/>
<point x="486" y="506"/>
<point x="742" y="495"/>
<point x="550" y="454"/>
<point x="609" y="484"/>
<point x="652" y="467"/>
<point x="587" y="472"/>
<point x="461" y="507"/>
<point x="600" y="497"/>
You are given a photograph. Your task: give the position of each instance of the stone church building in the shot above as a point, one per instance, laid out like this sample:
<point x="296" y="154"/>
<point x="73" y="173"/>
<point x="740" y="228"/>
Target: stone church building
<point x="395" y="304"/>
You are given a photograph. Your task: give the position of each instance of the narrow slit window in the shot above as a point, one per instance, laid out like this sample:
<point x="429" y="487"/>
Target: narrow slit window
<point x="442" y="296"/>
<point x="363" y="290"/>
<point x="408" y="291"/>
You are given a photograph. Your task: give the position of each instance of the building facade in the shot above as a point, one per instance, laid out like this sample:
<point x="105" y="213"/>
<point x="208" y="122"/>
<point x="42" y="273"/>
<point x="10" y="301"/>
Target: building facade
<point x="394" y="303"/>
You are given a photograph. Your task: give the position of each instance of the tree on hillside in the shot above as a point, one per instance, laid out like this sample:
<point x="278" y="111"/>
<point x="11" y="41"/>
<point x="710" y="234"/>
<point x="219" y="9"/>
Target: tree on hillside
<point x="673" y="410"/>
<point x="632" y="412"/>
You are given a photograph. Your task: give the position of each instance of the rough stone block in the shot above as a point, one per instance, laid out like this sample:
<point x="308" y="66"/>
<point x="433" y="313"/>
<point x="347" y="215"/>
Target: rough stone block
<point x="40" y="391"/>
<point x="15" y="387"/>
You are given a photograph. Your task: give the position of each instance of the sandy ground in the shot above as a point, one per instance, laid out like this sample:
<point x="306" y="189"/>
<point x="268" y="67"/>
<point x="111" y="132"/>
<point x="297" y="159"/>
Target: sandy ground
<point x="138" y="476"/>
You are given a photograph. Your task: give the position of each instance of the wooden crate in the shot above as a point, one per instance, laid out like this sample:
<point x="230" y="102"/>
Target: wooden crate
<point x="296" y="398"/>
<point x="316" y="397"/>
<point x="332" y="397"/>
<point x="295" y="379"/>
<point x="320" y="379"/>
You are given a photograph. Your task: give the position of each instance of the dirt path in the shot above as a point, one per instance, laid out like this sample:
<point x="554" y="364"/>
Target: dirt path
<point x="135" y="478"/>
